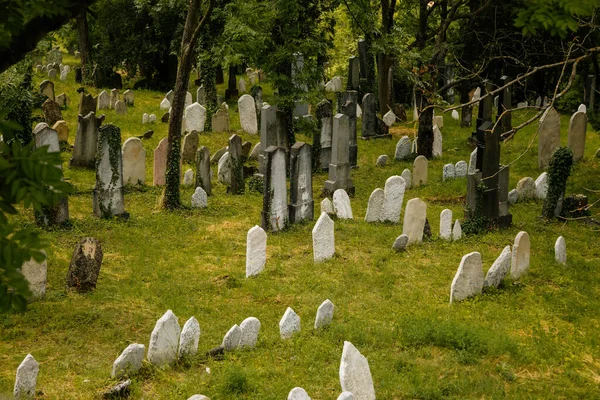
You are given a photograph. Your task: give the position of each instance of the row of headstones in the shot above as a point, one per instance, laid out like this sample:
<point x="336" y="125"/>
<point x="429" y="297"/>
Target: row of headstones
<point x="194" y="118"/>
<point x="112" y="102"/>
<point x="47" y="89"/>
<point x="407" y="149"/>
<point x="469" y="279"/>
<point x="549" y="135"/>
<point x="54" y="69"/>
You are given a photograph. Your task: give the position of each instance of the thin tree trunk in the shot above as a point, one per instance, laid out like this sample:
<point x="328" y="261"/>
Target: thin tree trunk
<point x="85" y="49"/>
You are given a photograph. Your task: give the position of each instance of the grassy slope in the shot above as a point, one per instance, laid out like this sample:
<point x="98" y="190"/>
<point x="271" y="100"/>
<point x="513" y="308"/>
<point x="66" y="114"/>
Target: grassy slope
<point x="537" y="338"/>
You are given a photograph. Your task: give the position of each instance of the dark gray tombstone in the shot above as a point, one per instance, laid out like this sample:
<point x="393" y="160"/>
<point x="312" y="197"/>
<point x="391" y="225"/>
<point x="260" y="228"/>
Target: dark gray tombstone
<point x="353" y="73"/>
<point x="268" y="133"/>
<point x="52" y="113"/>
<point x="87" y="103"/>
<point x="86" y="140"/>
<point x="485" y="108"/>
<point x="339" y="168"/>
<point x="275" y="208"/>
<point x="301" y="195"/>
<point x="203" y="177"/>
<point x="369" y="115"/>
<point x="189" y="147"/>
<point x="232" y="91"/>
<point x="236" y="161"/>
<point x="589" y="93"/>
<point x="504" y="104"/>
<point x="325" y="123"/>
<point x="108" y="193"/>
<point x="85" y="265"/>
<point x="349" y="104"/>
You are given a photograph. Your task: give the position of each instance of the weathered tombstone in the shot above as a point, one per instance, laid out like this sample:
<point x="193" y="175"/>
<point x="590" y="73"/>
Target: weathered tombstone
<point x="349" y="104"/>
<point x="121" y="107"/>
<point x="455" y="115"/>
<point x="323" y="238"/>
<point x="472" y="162"/>
<point x="195" y="118"/>
<point x="188" y="99"/>
<point x="526" y="189"/>
<point x="103" y="101"/>
<point x="47" y="89"/>
<point x="108" y="192"/>
<point x="86" y="140"/>
<point x="85" y="265"/>
<point x="548" y="136"/>
<point x="236" y="163"/>
<point x="448" y="173"/>
<point x="560" y="250"/>
<point x="52" y="74"/>
<point x="446" y="224"/>
<point x="520" y="255"/>
<point x="438" y="120"/>
<point x="129" y="362"/>
<point x="256" y="251"/>
<point x="134" y="162"/>
<point x="201" y="95"/>
<point x="231" y="92"/>
<point x="327" y="207"/>
<point x="164" y="341"/>
<point x="301" y="194"/>
<point x="36" y="274"/>
<point x="339" y="168"/>
<point x="275" y="209"/>
<point x="165" y="104"/>
<point x="224" y="170"/>
<point x="289" y="324"/>
<point x="189" y="147"/>
<point x="499" y="269"/>
<point x="414" y="220"/>
<point x="407" y="176"/>
<point x="375" y="206"/>
<point x="144" y="118"/>
<point x="87" y="104"/>
<point x="199" y="198"/>
<point x="26" y="379"/>
<point x="541" y="186"/>
<point x="381" y="160"/>
<point x="353" y="73"/>
<point x="504" y="106"/>
<point x="52" y="112"/>
<point x="188" y="339"/>
<point x="389" y="118"/>
<point x="242" y="85"/>
<point x="63" y="100"/>
<point x="152" y="118"/>
<point x="393" y="197"/>
<point x="298" y="393"/>
<point x="250" y="328"/>
<point x="268" y="133"/>
<point x="247" y="112"/>
<point x="203" y="175"/>
<point x="114" y="97"/>
<point x="355" y="375"/>
<point x="129" y="98"/>
<point x="220" y="120"/>
<point x="577" y="132"/>
<point x="341" y="204"/>
<point x="419" y="173"/>
<point x="456" y="231"/>
<point x="437" y="141"/>
<point x="468" y="280"/>
<point x="325" y="118"/>
<point x="460" y="169"/>
<point x="369" y="118"/>
<point x="160" y="163"/>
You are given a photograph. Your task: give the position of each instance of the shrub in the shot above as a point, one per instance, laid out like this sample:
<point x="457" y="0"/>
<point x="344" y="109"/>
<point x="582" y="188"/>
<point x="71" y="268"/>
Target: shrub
<point x="559" y="170"/>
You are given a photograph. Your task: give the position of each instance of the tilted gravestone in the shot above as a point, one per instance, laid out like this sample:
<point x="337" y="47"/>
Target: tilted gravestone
<point x="469" y="279"/>
<point x="236" y="165"/>
<point x="339" y="168"/>
<point x="87" y="104"/>
<point x="355" y="374"/>
<point x="201" y="95"/>
<point x="548" y="136"/>
<point x="325" y="119"/>
<point x="86" y="139"/>
<point x="134" y="162"/>
<point x="499" y="269"/>
<point x="85" y="265"/>
<point x="129" y="362"/>
<point x="108" y="192"/>
<point x="129" y="98"/>
<point x="189" y="147"/>
<point x="369" y="117"/>
<point x="164" y="341"/>
<point x="231" y="340"/>
<point x="275" y="208"/>
<point x="256" y="251"/>
<point x="203" y="175"/>
<point x="577" y="132"/>
<point x="160" y="163"/>
<point x="52" y="112"/>
<point x="195" y="118"/>
<point x="403" y="149"/>
<point x="189" y="338"/>
<point x="341" y="204"/>
<point x="301" y="194"/>
<point x="289" y="324"/>
<point x="47" y="89"/>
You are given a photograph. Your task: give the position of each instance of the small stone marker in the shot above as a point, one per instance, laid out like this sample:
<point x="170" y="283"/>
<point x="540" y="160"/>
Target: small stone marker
<point x="513" y="196"/>
<point x="103" y="101"/>
<point x="134" y="162"/>
<point x="199" y="198"/>
<point x="289" y="324"/>
<point x="250" y="328"/>
<point x="446" y="224"/>
<point x="164" y="340"/>
<point x="323" y="238"/>
<point x="144" y="118"/>
<point x="120" y="107"/>
<point x="298" y="393"/>
<point x="460" y="169"/>
<point x="165" y="104"/>
<point x="189" y="147"/>
<point x="577" y="132"/>
<point x="203" y="174"/>
<point x="499" y="269"/>
<point x="195" y="118"/>
<point x="199" y="397"/>
<point x="393" y="197"/>
<point x="414" y="220"/>
<point x="151" y="118"/>
<point x="389" y="118"/>
<point x="400" y="243"/>
<point x="128" y="98"/>
<point x="419" y="175"/>
<point x="472" y="162"/>
<point x="256" y="251"/>
<point x="114" y="97"/>
<point x="129" y="362"/>
<point x="520" y="255"/>
<point x="355" y="374"/>
<point x="375" y="206"/>
<point x="526" y="189"/>
<point x="456" y="231"/>
<point x="247" y="110"/>
<point x="449" y="172"/>
<point x="541" y="186"/>
<point x="438" y="120"/>
<point x="85" y="265"/>
<point x="381" y="160"/>
<point x="324" y="314"/>
<point x="231" y="340"/>
<point x="26" y="378"/>
<point x="160" y="163"/>
<point x="468" y="280"/>
<point x="407" y="176"/>
<point x="341" y="204"/>
<point x="36" y="274"/>
<point x="560" y="250"/>
<point x="403" y="149"/>
<point x="437" y="141"/>
<point x="455" y="115"/>
<point x="189" y="338"/>
<point x="188" y="177"/>
<point x="548" y="136"/>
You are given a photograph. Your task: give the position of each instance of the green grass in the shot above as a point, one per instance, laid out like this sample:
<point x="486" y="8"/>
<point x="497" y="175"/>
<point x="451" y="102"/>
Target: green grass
<point x="537" y="338"/>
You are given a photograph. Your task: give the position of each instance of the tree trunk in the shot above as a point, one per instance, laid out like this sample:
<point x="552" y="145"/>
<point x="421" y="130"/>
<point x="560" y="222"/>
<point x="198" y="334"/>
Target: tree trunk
<point x="85" y="49"/>
<point x="384" y="63"/>
<point x="208" y="74"/>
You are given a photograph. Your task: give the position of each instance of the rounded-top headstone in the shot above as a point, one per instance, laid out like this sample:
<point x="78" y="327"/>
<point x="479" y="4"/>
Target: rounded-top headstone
<point x="298" y="393"/>
<point x="256" y="251"/>
<point x="560" y="250"/>
<point x="341" y="204"/>
<point x="250" y="328"/>
<point x="324" y="314"/>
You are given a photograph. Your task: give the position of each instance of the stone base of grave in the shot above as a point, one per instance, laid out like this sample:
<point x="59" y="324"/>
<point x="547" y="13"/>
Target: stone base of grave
<point x="232" y="94"/>
<point x="353" y="155"/>
<point x="301" y="212"/>
<point x="108" y="202"/>
<point x="386" y="136"/>
<point x="331" y="187"/>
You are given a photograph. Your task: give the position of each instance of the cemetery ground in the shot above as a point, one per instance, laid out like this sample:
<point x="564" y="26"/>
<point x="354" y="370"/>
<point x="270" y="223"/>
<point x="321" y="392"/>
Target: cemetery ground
<point x="535" y="338"/>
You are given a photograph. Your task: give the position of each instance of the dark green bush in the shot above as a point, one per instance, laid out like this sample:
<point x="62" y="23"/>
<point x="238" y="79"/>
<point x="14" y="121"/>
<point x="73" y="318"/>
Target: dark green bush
<point x="559" y="170"/>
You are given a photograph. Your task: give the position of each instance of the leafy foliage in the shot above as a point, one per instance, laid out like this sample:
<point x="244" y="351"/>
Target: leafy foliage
<point x="559" y="17"/>
<point x="559" y="170"/>
<point x="17" y="99"/>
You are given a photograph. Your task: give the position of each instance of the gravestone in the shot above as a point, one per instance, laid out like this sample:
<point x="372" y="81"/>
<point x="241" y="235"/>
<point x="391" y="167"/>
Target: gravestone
<point x="195" y="118"/>
<point x="164" y="341"/>
<point x="52" y="112"/>
<point x="203" y="175"/>
<point x="189" y="338"/>
<point x="36" y="274"/>
<point x="323" y="238"/>
<point x="121" y="108"/>
<point x="242" y="85"/>
<point x="134" y="162"/>
<point x="47" y="89"/>
<point x="201" y="95"/>
<point x="353" y="73"/>
<point x="504" y="105"/>
<point x="188" y="99"/>
<point x="63" y="100"/>
<point x="144" y="118"/>
<point x="26" y="379"/>
<point x="129" y="362"/>
<point x="86" y="140"/>
<point x="381" y="160"/>
<point x="541" y="186"/>
<point x="324" y="314"/>
<point x="526" y="189"/>
<point x="247" y="111"/>
<point x="438" y="120"/>
<point x="103" y="101"/>
<point x="446" y="224"/>
<point x="582" y="108"/>
<point x="256" y="251"/>
<point x="589" y="92"/>
<point x="325" y="118"/>
<point x="560" y="251"/>
<point x="224" y="170"/>
<point x="151" y="118"/>
<point x="389" y="118"/>
<point x="456" y="231"/>
<point x="268" y="133"/>
<point x="169" y="96"/>
<point x="188" y="177"/>
<point x="339" y="168"/>
<point x="472" y="163"/>
<point x="85" y="265"/>
<point x="327" y="206"/>
<point x="448" y="172"/>
<point x="301" y="194"/>
<point x="52" y="74"/>
<point x="160" y="163"/>
<point x="199" y="198"/>
<point x="87" y="104"/>
<point x="298" y="393"/>
<point x="165" y="104"/>
<point x="419" y="173"/>
<point x="189" y="147"/>
<point x="407" y="176"/>
<point x="250" y="328"/>
<point x="460" y="169"/>
<point x="369" y="119"/>
<point x="289" y="324"/>
<point x="400" y="243"/>
<point x="375" y="206"/>
<point x="236" y="164"/>
<point x="231" y="92"/>
<point x="355" y="375"/>
<point x="275" y="209"/>
<point x="468" y="280"/>
<point x="349" y="104"/>
<point x="341" y="204"/>
<point x="437" y="141"/>
<point x="577" y="132"/>
<point x="255" y="152"/>
<point x="114" y="97"/>
<point x="108" y="193"/>
<point x="548" y="136"/>
<point x="393" y="197"/>
<point x="220" y="120"/>
<point x="499" y="269"/>
<point x="414" y="220"/>
<point x="129" y="98"/>
<point x="520" y="255"/>
<point x="455" y="115"/>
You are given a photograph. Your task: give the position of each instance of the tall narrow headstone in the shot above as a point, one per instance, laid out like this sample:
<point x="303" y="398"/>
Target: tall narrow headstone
<point x="189" y="147"/>
<point x="160" y="163"/>
<point x="369" y="117"/>
<point x="504" y="106"/>
<point x="301" y="194"/>
<point x="201" y="95"/>
<point x="236" y="163"/>
<point x="134" y="162"/>
<point x="520" y="255"/>
<point x="355" y="374"/>
<point x="393" y="197"/>
<point x="446" y="224"/>
<point x="548" y="136"/>
<point x="189" y="338"/>
<point x="108" y="192"/>
<point x="560" y="250"/>
<point x="589" y="94"/>
<point x="114" y="97"/>
<point x="203" y="175"/>
<point x="275" y="209"/>
<point x="325" y="117"/>
<point x="349" y="107"/>
<point x="247" y="110"/>
<point x="231" y="92"/>
<point x="353" y="73"/>
<point x="86" y="140"/>
<point x="323" y="238"/>
<point x="577" y="132"/>
<point x="414" y="220"/>
<point x="339" y="168"/>
<point x="256" y="251"/>
<point x="268" y="133"/>
<point x="129" y="98"/>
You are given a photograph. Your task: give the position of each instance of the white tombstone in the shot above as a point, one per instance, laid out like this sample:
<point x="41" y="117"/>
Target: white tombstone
<point x="460" y="169"/>
<point x="375" y="206"/>
<point x="256" y="251"/>
<point x="26" y="378"/>
<point x="393" y="197"/>
<point x="476" y="94"/>
<point x="438" y="120"/>
<point x="560" y="250"/>
<point x="129" y="362"/>
<point x="327" y="207"/>
<point x="389" y="118"/>
<point x="189" y="338"/>
<point x="449" y="172"/>
<point x="446" y="224"/>
<point x="346" y="396"/>
<point x="152" y="118"/>
<point x="165" y="104"/>
<point x="499" y="269"/>
<point x="120" y="107"/>
<point x="199" y="198"/>
<point x="289" y="324"/>
<point x="526" y="189"/>
<point x="247" y="110"/>
<point x="63" y="75"/>
<point x="323" y="238"/>
<point x="144" y="118"/>
<point x="437" y="141"/>
<point x="188" y="99"/>
<point x="324" y="314"/>
<point x="164" y="340"/>
<point x="582" y="108"/>
<point x="548" y="136"/>
<point x="472" y="162"/>
<point x="456" y="231"/>
<point x="231" y="340"/>
<point x="134" y="162"/>
<point x="103" y="101"/>
<point x="520" y="255"/>
<point x="468" y="280"/>
<point x="355" y="374"/>
<point x="541" y="186"/>
<point x="224" y="169"/>
<point x="250" y="328"/>
<point x="407" y="176"/>
<point x="576" y="134"/>
<point x="195" y="118"/>
<point x="455" y="115"/>
<point x="403" y="149"/>
<point x="414" y="220"/>
<point x="242" y="85"/>
<point x="341" y="204"/>
<point x="188" y="177"/>
<point x="36" y="274"/>
<point x="298" y="393"/>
